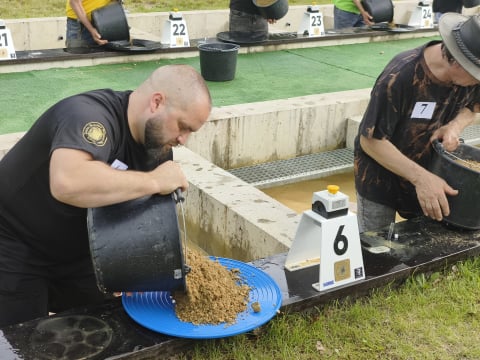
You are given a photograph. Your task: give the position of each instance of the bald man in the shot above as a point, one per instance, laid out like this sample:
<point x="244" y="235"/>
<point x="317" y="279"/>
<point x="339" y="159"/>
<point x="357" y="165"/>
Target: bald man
<point x="89" y="150"/>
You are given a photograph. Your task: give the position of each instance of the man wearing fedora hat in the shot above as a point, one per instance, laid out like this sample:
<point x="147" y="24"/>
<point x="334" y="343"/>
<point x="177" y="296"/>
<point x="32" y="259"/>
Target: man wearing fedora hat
<point x="430" y="92"/>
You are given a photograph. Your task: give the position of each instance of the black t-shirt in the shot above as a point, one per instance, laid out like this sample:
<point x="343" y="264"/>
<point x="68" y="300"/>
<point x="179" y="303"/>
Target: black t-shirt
<point x="407" y="105"/>
<point x="34" y="226"/>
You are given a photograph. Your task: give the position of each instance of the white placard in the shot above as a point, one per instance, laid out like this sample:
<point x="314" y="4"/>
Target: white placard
<point x="332" y="243"/>
<point x="312" y="24"/>
<point x="7" y="50"/>
<point x="117" y="164"/>
<point x="423" y="110"/>
<point x="422" y="17"/>
<point x="175" y="32"/>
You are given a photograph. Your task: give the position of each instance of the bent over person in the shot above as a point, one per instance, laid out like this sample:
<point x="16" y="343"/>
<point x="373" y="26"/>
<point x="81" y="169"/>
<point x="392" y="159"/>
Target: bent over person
<point x="80" y="31"/>
<point x="63" y="165"/>
<point x="246" y="17"/>
<point x="431" y="92"/>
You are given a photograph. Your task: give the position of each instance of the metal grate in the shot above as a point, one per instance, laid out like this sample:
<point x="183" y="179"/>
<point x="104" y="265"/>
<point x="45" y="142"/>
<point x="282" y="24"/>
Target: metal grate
<point x="301" y="168"/>
<point x="314" y="166"/>
<point x="471" y="135"/>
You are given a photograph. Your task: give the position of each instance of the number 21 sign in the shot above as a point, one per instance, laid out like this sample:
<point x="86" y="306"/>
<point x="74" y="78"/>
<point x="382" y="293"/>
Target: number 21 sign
<point x="7" y="50"/>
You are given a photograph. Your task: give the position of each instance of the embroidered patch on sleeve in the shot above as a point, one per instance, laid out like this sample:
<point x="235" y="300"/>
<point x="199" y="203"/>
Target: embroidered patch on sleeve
<point x="95" y="133"/>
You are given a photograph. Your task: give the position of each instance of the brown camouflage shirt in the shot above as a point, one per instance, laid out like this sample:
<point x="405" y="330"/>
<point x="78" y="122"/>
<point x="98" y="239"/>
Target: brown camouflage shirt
<point x="408" y="103"/>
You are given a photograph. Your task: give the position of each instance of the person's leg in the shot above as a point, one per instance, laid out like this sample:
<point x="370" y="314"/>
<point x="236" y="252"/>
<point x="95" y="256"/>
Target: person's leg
<point x="372" y="215"/>
<point x="359" y="21"/>
<point x="23" y="290"/>
<point x="259" y="24"/>
<point x="78" y="36"/>
<point x="344" y="19"/>
<point x="22" y="298"/>
<point x="243" y="22"/>
<point x="74" y="285"/>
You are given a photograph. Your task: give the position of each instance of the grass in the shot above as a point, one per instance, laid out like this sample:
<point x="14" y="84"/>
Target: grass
<point x="434" y="316"/>
<point x="430" y="316"/>
<point x="33" y="8"/>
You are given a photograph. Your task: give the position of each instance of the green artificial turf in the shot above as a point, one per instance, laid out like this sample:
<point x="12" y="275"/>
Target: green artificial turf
<point x="260" y="76"/>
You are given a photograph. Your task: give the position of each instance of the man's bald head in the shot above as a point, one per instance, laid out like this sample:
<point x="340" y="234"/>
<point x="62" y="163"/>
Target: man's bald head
<point x="181" y="84"/>
<point x="173" y="102"/>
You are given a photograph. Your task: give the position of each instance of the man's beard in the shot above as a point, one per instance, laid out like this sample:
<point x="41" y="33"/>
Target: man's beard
<point x="157" y="150"/>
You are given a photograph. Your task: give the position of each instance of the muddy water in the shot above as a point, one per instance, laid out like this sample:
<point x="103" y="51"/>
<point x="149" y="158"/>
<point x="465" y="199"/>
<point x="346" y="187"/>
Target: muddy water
<point x="298" y="196"/>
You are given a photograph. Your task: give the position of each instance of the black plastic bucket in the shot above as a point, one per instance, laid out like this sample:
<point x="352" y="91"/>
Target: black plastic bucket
<point x="272" y="9"/>
<point x="381" y="11"/>
<point x="464" y="207"/>
<point x="218" y="61"/>
<point x="111" y="22"/>
<point x="471" y="3"/>
<point x="136" y="245"/>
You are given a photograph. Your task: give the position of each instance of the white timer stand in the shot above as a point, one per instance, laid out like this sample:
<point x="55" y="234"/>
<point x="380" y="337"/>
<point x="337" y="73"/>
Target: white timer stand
<point x="328" y="236"/>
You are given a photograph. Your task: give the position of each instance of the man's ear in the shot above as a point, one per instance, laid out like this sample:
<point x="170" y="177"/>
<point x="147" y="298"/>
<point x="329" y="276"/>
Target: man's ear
<point x="157" y="100"/>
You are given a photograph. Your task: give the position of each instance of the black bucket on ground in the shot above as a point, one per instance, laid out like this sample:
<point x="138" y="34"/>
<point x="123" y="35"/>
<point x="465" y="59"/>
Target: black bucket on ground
<point x="136" y="245"/>
<point x="111" y="22"/>
<point x="218" y="61"/>
<point x="464" y="207"/>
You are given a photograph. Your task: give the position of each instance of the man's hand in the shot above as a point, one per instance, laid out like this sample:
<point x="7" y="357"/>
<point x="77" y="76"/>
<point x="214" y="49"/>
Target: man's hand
<point x="431" y="189"/>
<point x="367" y="18"/>
<point x="449" y="134"/>
<point x="432" y="193"/>
<point x="97" y="37"/>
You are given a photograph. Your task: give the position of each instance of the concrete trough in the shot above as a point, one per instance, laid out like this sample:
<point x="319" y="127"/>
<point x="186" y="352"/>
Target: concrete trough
<point x="243" y="222"/>
<point x="49" y="33"/>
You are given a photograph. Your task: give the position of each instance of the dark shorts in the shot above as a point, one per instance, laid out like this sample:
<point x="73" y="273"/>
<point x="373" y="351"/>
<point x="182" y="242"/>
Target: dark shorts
<point x="78" y="36"/>
<point x="28" y="295"/>
<point x="243" y="22"/>
<point x="344" y="19"/>
<point x="372" y="215"/>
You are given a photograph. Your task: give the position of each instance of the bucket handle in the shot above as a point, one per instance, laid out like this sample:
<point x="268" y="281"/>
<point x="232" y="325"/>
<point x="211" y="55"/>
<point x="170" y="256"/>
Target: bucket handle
<point x="213" y="49"/>
<point x="438" y="145"/>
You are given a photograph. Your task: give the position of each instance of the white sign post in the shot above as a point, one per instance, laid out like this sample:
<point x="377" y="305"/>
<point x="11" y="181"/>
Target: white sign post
<point x="175" y="33"/>
<point x="312" y="22"/>
<point x="327" y="236"/>
<point x="422" y="17"/>
<point x="7" y="50"/>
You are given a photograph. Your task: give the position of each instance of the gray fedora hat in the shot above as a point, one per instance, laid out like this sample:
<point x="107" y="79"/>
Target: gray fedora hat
<point x="461" y="36"/>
